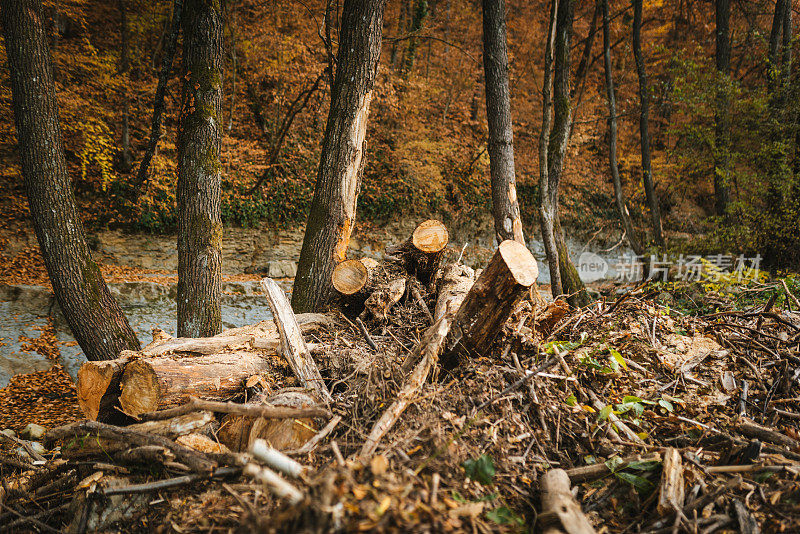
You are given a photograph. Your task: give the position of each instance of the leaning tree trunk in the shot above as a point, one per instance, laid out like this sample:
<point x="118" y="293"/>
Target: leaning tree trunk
<point x="507" y="220"/>
<point x="622" y="206"/>
<point x="199" y="171"/>
<point x="333" y="209"/>
<point x="644" y="131"/>
<point x="722" y="120"/>
<point x="96" y="320"/>
<point x="571" y="283"/>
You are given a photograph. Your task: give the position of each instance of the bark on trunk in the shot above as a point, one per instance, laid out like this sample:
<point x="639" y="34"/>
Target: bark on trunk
<point x="199" y="173"/>
<point x="419" y="15"/>
<point x="644" y="131"/>
<point x="505" y="208"/>
<point x="96" y="320"/>
<point x="722" y="122"/>
<point x="619" y="197"/>
<point x="333" y="209"/>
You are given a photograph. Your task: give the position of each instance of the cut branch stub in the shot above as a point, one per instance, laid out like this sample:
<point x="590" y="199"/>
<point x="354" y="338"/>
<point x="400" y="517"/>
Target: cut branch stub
<point x="422" y="252"/>
<point x="490" y="301"/>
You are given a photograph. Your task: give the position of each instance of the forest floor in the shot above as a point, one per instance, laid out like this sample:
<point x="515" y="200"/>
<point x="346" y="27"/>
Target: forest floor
<point x="707" y="372"/>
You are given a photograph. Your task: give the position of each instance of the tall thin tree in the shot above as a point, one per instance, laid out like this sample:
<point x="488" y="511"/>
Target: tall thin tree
<point x="611" y="99"/>
<point x="96" y="320"/>
<point x="199" y="172"/>
<point x="418" y="16"/>
<point x="505" y="207"/>
<point x="333" y="209"/>
<point x="553" y="142"/>
<point x="722" y="119"/>
<point x="644" y="128"/>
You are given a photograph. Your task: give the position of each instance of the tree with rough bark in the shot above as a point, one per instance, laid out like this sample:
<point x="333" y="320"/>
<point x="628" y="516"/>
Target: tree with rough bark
<point x="553" y="142"/>
<point x="611" y="100"/>
<point x="722" y="120"/>
<point x="333" y="209"/>
<point x="644" y="129"/>
<point x="418" y="16"/>
<point x="96" y="320"/>
<point x="505" y="207"/>
<point x="199" y="172"/>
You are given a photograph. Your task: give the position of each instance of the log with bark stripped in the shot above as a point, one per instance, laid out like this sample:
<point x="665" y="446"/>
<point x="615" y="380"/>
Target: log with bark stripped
<point x="422" y="253"/>
<point x="561" y="513"/>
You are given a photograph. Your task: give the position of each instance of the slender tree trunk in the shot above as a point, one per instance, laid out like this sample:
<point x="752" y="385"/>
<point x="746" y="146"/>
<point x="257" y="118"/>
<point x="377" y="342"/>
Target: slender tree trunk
<point x="158" y="99"/>
<point x="786" y="53"/>
<point x="401" y="23"/>
<point x="571" y="283"/>
<point x="547" y="206"/>
<point x="96" y="320"/>
<point x="199" y="173"/>
<point x="417" y="20"/>
<point x="644" y="117"/>
<point x="125" y="157"/>
<point x="722" y="121"/>
<point x="612" y="134"/>
<point x="507" y="220"/>
<point x="232" y="29"/>
<point x="333" y="209"/>
<point x="774" y="60"/>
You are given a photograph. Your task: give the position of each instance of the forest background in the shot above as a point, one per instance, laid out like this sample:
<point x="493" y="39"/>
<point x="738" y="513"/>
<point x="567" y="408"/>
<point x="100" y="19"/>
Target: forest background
<point x="427" y="134"/>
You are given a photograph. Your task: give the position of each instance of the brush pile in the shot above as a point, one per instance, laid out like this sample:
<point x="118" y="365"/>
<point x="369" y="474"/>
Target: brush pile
<point x="435" y="398"/>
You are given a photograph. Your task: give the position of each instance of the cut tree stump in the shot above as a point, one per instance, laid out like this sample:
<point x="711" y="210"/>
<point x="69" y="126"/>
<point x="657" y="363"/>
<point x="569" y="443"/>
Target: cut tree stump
<point x="491" y="299"/>
<point x="352" y="277"/>
<point x="561" y="513"/>
<point x="421" y="253"/>
<point x="293" y="347"/>
<point x="151" y="384"/>
<point x="98" y="387"/>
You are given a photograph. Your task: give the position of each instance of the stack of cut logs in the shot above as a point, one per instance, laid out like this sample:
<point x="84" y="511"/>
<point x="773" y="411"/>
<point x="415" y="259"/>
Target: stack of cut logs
<point x="155" y="383"/>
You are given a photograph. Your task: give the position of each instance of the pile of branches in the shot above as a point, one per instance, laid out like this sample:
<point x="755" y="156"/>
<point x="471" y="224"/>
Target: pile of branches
<point x="436" y="398"/>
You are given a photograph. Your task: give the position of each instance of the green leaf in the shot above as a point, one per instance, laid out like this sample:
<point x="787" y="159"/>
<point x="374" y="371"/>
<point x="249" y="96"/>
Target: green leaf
<point x="604" y="413"/>
<point x="630" y="398"/>
<point x="641" y="484"/>
<point x="504" y="516"/>
<point x="618" y="358"/>
<point x="571" y="400"/>
<point x="667" y="405"/>
<point x="643" y="466"/>
<point x="613" y="463"/>
<point x="480" y="470"/>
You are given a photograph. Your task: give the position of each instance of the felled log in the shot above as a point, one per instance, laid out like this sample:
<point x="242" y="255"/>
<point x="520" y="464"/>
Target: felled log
<point x="98" y="387"/>
<point x="491" y="299"/>
<point x="293" y="347"/>
<point x="454" y="284"/>
<point x="238" y="432"/>
<point x="561" y="513"/>
<point x="354" y="277"/>
<point x="151" y="384"/>
<point x="421" y="253"/>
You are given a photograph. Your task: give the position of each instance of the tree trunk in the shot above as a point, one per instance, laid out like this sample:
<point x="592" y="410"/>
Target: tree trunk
<point x="422" y="253"/>
<point x="547" y="200"/>
<point x="199" y="173"/>
<point x="158" y="100"/>
<point x="125" y="157"/>
<point x="722" y="122"/>
<point x="333" y="209"/>
<point x="418" y="19"/>
<point x="507" y="220"/>
<point x="571" y="283"/>
<point x="96" y="320"/>
<point x="644" y="97"/>
<point x="612" y="135"/>
<point x="401" y="26"/>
